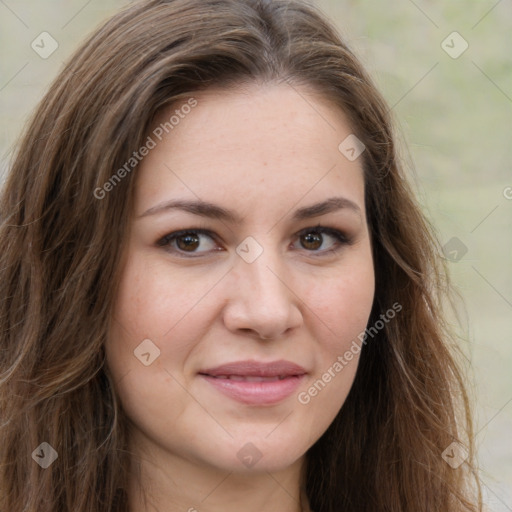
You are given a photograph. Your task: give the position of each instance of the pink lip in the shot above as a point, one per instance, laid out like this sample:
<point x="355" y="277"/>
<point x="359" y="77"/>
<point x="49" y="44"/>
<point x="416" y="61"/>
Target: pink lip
<point x="251" y="382"/>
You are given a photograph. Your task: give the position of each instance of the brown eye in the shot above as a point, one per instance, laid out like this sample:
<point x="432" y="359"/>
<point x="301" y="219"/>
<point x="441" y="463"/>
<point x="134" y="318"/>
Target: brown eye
<point x="312" y="239"/>
<point x="188" y="241"/>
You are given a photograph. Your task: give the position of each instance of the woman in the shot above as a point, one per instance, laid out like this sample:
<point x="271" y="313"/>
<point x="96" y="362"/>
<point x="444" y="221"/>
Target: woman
<point x="219" y="290"/>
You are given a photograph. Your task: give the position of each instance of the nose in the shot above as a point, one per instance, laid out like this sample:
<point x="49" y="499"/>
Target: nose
<point x="262" y="299"/>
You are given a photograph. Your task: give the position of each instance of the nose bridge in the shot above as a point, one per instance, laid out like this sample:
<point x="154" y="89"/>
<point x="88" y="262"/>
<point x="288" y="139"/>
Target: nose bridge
<point x="262" y="299"/>
<point x="264" y="277"/>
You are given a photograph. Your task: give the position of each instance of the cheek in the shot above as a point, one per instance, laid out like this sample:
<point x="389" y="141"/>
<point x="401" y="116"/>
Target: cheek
<point x="150" y="306"/>
<point x="340" y="309"/>
<point x="153" y="300"/>
<point x="145" y="298"/>
<point x="342" y="305"/>
<point x="167" y="307"/>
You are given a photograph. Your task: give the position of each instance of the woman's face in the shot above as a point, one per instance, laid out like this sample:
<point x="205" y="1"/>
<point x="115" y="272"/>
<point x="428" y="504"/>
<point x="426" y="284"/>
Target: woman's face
<point x="226" y="344"/>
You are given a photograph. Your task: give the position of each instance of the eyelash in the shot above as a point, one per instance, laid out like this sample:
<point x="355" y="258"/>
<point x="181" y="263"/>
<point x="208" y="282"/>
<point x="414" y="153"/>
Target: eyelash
<point x="341" y="240"/>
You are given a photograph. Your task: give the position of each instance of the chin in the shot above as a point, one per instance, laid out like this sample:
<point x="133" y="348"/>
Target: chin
<point x="259" y="454"/>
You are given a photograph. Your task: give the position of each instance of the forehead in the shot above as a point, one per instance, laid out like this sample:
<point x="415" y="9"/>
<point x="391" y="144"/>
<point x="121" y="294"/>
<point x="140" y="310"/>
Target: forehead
<point x="270" y="142"/>
<point x="254" y="111"/>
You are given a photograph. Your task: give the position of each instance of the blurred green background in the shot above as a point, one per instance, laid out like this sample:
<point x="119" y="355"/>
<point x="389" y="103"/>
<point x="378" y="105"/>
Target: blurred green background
<point x="455" y="116"/>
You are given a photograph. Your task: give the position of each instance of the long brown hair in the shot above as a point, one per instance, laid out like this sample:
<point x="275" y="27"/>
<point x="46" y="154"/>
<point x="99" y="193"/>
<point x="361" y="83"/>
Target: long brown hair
<point x="62" y="249"/>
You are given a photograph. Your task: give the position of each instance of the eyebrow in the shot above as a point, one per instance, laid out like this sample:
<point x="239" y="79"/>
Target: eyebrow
<point x="206" y="209"/>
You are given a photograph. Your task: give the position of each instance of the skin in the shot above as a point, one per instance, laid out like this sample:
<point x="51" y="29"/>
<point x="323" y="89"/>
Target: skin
<point x="263" y="151"/>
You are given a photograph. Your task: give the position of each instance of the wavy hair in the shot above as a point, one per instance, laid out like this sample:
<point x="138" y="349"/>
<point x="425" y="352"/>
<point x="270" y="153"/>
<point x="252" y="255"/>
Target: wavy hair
<point x="62" y="250"/>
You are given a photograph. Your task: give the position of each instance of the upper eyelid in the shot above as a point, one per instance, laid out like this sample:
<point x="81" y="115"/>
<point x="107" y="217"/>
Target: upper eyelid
<point x="330" y="231"/>
<point x="212" y="234"/>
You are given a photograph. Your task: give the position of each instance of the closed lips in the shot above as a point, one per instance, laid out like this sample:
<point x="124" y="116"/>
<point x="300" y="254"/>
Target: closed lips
<point x="251" y="378"/>
<point x="253" y="371"/>
<point x="255" y="383"/>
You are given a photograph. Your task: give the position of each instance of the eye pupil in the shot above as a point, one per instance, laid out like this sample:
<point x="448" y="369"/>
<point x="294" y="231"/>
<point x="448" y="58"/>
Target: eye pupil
<point x="312" y="238"/>
<point x="191" y="242"/>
